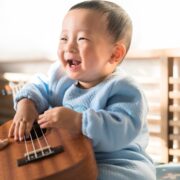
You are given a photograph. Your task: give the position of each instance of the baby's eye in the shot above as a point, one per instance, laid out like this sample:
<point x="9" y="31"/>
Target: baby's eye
<point x="63" y="39"/>
<point x="82" y="38"/>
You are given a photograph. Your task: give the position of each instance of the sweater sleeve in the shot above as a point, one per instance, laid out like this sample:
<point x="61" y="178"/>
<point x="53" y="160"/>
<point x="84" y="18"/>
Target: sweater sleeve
<point x="38" y="90"/>
<point x="120" y="121"/>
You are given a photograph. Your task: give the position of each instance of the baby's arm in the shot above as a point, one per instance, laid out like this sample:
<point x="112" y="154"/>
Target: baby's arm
<point x="26" y="114"/>
<point x="34" y="98"/>
<point x="119" y="120"/>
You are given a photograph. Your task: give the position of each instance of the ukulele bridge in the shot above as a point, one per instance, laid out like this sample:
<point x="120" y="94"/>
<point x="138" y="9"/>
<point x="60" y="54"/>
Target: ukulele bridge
<point x="39" y="154"/>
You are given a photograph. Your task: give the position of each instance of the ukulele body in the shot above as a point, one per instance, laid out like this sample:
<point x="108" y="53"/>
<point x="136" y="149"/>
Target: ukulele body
<point x="75" y="162"/>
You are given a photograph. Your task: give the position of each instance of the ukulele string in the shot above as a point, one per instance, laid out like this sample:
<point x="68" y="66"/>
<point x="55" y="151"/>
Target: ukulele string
<point x="46" y="141"/>
<point x="27" y="152"/>
<point x="40" y="145"/>
<point x="33" y="145"/>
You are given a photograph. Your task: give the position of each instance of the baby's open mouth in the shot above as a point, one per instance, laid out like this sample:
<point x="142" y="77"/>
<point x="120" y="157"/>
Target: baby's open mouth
<point x="73" y="62"/>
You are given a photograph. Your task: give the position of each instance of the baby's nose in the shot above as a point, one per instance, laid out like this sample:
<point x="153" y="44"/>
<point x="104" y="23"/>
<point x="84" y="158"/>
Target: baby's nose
<point x="71" y="47"/>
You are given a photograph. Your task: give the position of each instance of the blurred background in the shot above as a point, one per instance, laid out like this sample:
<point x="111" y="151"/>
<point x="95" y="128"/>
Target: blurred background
<point x="32" y="28"/>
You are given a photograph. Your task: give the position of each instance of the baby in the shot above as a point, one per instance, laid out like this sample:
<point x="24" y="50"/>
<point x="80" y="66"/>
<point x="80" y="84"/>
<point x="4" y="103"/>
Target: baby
<point x="85" y="93"/>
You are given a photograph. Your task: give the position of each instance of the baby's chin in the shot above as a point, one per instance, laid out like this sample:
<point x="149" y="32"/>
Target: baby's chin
<point x="72" y="76"/>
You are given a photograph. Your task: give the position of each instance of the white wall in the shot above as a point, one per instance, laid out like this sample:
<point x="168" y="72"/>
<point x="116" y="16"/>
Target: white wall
<point x="30" y="28"/>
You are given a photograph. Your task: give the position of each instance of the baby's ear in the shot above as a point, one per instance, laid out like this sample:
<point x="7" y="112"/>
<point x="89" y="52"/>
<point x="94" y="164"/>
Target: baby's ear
<point x="118" y="53"/>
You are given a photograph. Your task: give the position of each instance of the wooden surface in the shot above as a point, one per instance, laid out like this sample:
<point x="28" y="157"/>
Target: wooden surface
<point x="75" y="163"/>
<point x="158" y="72"/>
<point x="153" y="53"/>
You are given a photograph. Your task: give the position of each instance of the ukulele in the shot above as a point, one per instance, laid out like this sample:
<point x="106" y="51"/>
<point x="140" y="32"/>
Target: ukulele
<point x="48" y="154"/>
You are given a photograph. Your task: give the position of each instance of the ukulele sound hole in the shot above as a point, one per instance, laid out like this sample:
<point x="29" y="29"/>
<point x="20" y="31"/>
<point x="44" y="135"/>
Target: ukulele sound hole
<point x="36" y="132"/>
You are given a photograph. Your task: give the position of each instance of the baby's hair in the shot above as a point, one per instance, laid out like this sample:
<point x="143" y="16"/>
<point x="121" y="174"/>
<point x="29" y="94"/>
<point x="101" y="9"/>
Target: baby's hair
<point x="119" y="23"/>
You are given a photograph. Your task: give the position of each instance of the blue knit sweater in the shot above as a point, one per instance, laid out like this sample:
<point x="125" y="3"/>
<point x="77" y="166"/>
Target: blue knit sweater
<point x="113" y="114"/>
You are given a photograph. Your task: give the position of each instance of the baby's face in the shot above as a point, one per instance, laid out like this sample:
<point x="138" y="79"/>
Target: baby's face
<point x="86" y="47"/>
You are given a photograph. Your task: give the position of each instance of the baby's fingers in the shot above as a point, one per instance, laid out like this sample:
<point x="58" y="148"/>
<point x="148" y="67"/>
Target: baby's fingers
<point x="45" y="123"/>
<point x="22" y="129"/>
<point x="42" y="121"/>
<point x="28" y="128"/>
<point x="41" y="116"/>
<point x="11" y="130"/>
<point x="16" y="131"/>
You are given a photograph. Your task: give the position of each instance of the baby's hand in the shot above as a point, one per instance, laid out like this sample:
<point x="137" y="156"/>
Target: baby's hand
<point x="23" y="120"/>
<point x="3" y="143"/>
<point x="61" y="117"/>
